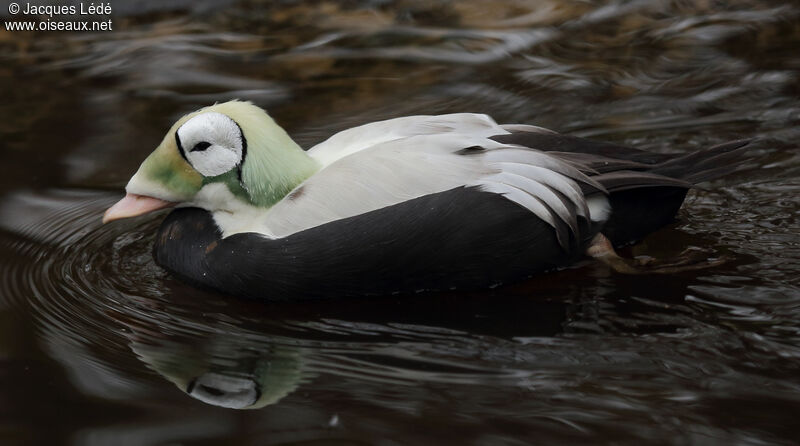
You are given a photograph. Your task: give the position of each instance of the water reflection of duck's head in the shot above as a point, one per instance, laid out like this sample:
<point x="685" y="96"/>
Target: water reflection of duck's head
<point x="222" y="375"/>
<point x="219" y="358"/>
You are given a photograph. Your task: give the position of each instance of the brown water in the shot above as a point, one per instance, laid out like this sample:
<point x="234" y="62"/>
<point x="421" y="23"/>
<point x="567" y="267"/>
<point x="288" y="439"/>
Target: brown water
<point x="98" y="344"/>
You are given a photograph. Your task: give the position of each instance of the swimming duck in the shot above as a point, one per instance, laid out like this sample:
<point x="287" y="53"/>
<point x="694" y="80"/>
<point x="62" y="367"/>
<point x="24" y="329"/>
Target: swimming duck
<point x="404" y="205"/>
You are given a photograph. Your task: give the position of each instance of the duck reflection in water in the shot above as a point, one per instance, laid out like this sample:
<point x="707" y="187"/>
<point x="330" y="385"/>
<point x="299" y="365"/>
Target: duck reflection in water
<point x="221" y="371"/>
<point x="234" y="362"/>
<point x="252" y="355"/>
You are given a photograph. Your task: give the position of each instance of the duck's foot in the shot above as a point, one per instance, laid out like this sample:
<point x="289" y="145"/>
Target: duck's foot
<point x="688" y="260"/>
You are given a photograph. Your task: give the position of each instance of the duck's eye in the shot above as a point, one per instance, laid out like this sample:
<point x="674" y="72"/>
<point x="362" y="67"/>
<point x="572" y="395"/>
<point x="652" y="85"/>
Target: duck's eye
<point x="212" y="143"/>
<point x="199" y="147"/>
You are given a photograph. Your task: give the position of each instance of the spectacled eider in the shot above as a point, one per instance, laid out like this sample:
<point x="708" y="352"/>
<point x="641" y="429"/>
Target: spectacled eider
<point x="404" y="205"/>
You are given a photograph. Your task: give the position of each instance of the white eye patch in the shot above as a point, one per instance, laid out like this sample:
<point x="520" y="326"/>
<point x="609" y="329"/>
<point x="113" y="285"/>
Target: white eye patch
<point x="212" y="143"/>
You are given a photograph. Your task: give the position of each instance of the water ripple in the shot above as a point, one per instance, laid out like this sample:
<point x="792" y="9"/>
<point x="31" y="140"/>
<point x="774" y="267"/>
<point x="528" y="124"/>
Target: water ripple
<point x="579" y="356"/>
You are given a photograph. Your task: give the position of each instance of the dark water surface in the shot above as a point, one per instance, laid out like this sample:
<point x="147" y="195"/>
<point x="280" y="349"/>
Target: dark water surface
<point x="98" y="345"/>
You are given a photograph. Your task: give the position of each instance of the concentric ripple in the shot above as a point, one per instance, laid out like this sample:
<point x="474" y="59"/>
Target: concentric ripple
<point x="101" y="346"/>
<point x="94" y="292"/>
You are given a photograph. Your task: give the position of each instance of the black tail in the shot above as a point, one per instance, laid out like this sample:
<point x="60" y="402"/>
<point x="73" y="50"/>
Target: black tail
<point x="706" y="165"/>
<point x="645" y="189"/>
<point x="641" y="206"/>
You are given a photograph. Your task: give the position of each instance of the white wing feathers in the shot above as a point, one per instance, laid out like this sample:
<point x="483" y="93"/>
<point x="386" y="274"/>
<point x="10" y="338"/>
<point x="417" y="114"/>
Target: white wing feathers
<point x="359" y="138"/>
<point x="385" y="163"/>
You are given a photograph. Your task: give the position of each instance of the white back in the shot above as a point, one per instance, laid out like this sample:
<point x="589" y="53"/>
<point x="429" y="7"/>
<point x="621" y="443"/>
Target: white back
<point x="386" y="163"/>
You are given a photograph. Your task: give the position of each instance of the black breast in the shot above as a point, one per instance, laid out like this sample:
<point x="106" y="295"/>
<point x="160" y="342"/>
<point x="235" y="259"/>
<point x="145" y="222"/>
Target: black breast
<point x="459" y="239"/>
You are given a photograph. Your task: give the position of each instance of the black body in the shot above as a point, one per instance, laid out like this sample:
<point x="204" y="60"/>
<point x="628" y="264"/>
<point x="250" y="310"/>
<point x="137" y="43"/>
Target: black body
<point x="459" y="239"/>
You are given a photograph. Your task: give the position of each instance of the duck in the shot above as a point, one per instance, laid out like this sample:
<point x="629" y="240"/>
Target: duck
<point x="401" y="206"/>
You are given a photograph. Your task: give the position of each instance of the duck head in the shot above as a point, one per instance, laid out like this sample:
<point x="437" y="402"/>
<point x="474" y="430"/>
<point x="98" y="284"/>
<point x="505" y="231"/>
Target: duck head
<point x="221" y="158"/>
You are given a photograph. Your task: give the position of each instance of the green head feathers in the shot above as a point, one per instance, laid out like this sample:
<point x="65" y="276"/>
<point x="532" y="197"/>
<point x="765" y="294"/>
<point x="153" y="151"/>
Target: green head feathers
<point x="234" y="145"/>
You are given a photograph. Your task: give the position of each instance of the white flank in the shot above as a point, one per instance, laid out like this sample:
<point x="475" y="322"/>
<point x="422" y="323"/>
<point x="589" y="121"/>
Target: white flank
<point x="599" y="208"/>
